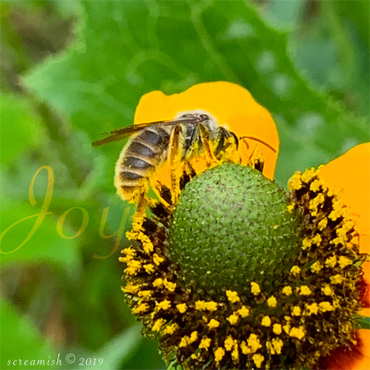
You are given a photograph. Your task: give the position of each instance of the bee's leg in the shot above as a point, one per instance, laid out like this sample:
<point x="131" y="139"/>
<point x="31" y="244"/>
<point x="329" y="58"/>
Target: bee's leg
<point x="141" y="205"/>
<point x="256" y="160"/>
<point x="175" y="156"/>
<point x="164" y="193"/>
<point x="244" y="157"/>
<point x="227" y="146"/>
<point x="187" y="174"/>
<point x="206" y="141"/>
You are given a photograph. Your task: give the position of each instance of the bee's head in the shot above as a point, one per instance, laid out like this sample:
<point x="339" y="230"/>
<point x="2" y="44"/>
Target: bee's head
<point x="200" y="116"/>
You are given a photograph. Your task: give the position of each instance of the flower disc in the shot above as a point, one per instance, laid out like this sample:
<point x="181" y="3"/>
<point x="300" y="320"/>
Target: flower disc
<point x="231" y="227"/>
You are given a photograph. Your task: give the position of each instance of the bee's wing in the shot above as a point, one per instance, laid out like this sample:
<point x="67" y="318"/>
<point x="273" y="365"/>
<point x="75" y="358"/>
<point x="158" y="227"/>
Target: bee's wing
<point x="122" y="133"/>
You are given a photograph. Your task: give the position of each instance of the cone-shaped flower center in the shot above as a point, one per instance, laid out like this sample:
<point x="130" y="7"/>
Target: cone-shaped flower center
<point x="231" y="227"/>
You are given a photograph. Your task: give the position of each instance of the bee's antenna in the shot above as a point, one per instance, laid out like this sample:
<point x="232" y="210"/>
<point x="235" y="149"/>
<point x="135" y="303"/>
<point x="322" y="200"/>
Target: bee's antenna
<point x="258" y="140"/>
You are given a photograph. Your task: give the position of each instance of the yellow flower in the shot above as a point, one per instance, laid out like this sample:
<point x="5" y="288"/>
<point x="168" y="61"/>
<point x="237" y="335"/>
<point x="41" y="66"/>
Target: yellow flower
<point x="316" y="283"/>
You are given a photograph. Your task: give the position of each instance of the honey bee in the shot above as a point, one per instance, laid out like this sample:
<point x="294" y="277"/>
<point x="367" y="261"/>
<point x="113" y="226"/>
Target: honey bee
<point x="190" y="134"/>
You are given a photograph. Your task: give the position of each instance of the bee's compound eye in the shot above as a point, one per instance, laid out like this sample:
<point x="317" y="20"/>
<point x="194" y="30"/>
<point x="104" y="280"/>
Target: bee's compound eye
<point x="204" y="117"/>
<point x="187" y="115"/>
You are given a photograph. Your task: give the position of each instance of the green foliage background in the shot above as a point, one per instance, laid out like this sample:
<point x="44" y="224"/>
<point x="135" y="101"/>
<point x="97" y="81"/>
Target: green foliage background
<point x="72" y="70"/>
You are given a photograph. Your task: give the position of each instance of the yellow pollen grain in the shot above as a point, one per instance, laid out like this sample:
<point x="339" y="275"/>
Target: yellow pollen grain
<point x="291" y="207"/>
<point x="145" y="240"/>
<point x="229" y="343"/>
<point x="326" y="306"/>
<point x="286" y="328"/>
<point x="233" y="319"/>
<point x="132" y="270"/>
<point x="232" y="296"/>
<point x="255" y="288"/>
<point x="129" y="252"/>
<point x="157" y="260"/>
<point x="306" y="243"/>
<point x="276" y="329"/>
<point x="235" y="353"/>
<point x="131" y="288"/>
<point x="184" y="341"/>
<point x="266" y="321"/>
<point x="254" y="343"/>
<point x="141" y="308"/>
<point x="169" y="285"/>
<point x="344" y="262"/>
<point x="315" y="185"/>
<point x="134" y="264"/>
<point x="287" y="290"/>
<point x="272" y="302"/>
<point x="308" y="175"/>
<point x="315" y="203"/>
<point x="322" y="224"/>
<point x="211" y="306"/>
<point x="312" y="309"/>
<point x="182" y="307"/>
<point x="243" y="312"/>
<point x="317" y="239"/>
<point x="296" y="311"/>
<point x="164" y="305"/>
<point x="295" y="270"/>
<point x="316" y="267"/>
<point x="342" y="233"/>
<point x="245" y="349"/>
<point x="205" y="343"/>
<point x="157" y="283"/>
<point x="295" y="182"/>
<point x="327" y="290"/>
<point x="331" y="261"/>
<point x="195" y="355"/>
<point x="158" y="324"/>
<point x="305" y="290"/>
<point x="258" y="359"/>
<point x="277" y="344"/>
<point x="126" y="259"/>
<point x="193" y="337"/>
<point x="297" y="333"/>
<point x="213" y="324"/>
<point x="170" y="329"/>
<point x="219" y="354"/>
<point x="145" y="294"/>
<point x="200" y="305"/>
<point x="149" y="268"/>
<point x="339" y="240"/>
<point x="336" y="279"/>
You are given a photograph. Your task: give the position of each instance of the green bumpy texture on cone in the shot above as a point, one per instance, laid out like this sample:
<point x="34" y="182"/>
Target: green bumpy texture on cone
<point x="231" y="227"/>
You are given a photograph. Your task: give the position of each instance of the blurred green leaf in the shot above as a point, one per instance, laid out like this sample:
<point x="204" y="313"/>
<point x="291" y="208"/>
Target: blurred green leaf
<point x="175" y="45"/>
<point x="45" y="246"/>
<point x="20" y="339"/>
<point x="146" y="357"/>
<point x="21" y="128"/>
<point x="121" y="348"/>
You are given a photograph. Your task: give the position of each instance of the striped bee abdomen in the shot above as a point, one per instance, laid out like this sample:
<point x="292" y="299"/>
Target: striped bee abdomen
<point x="139" y="160"/>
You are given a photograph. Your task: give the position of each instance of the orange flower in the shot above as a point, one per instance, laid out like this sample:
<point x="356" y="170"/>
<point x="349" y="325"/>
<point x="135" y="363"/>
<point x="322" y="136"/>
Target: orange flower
<point x="235" y="108"/>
